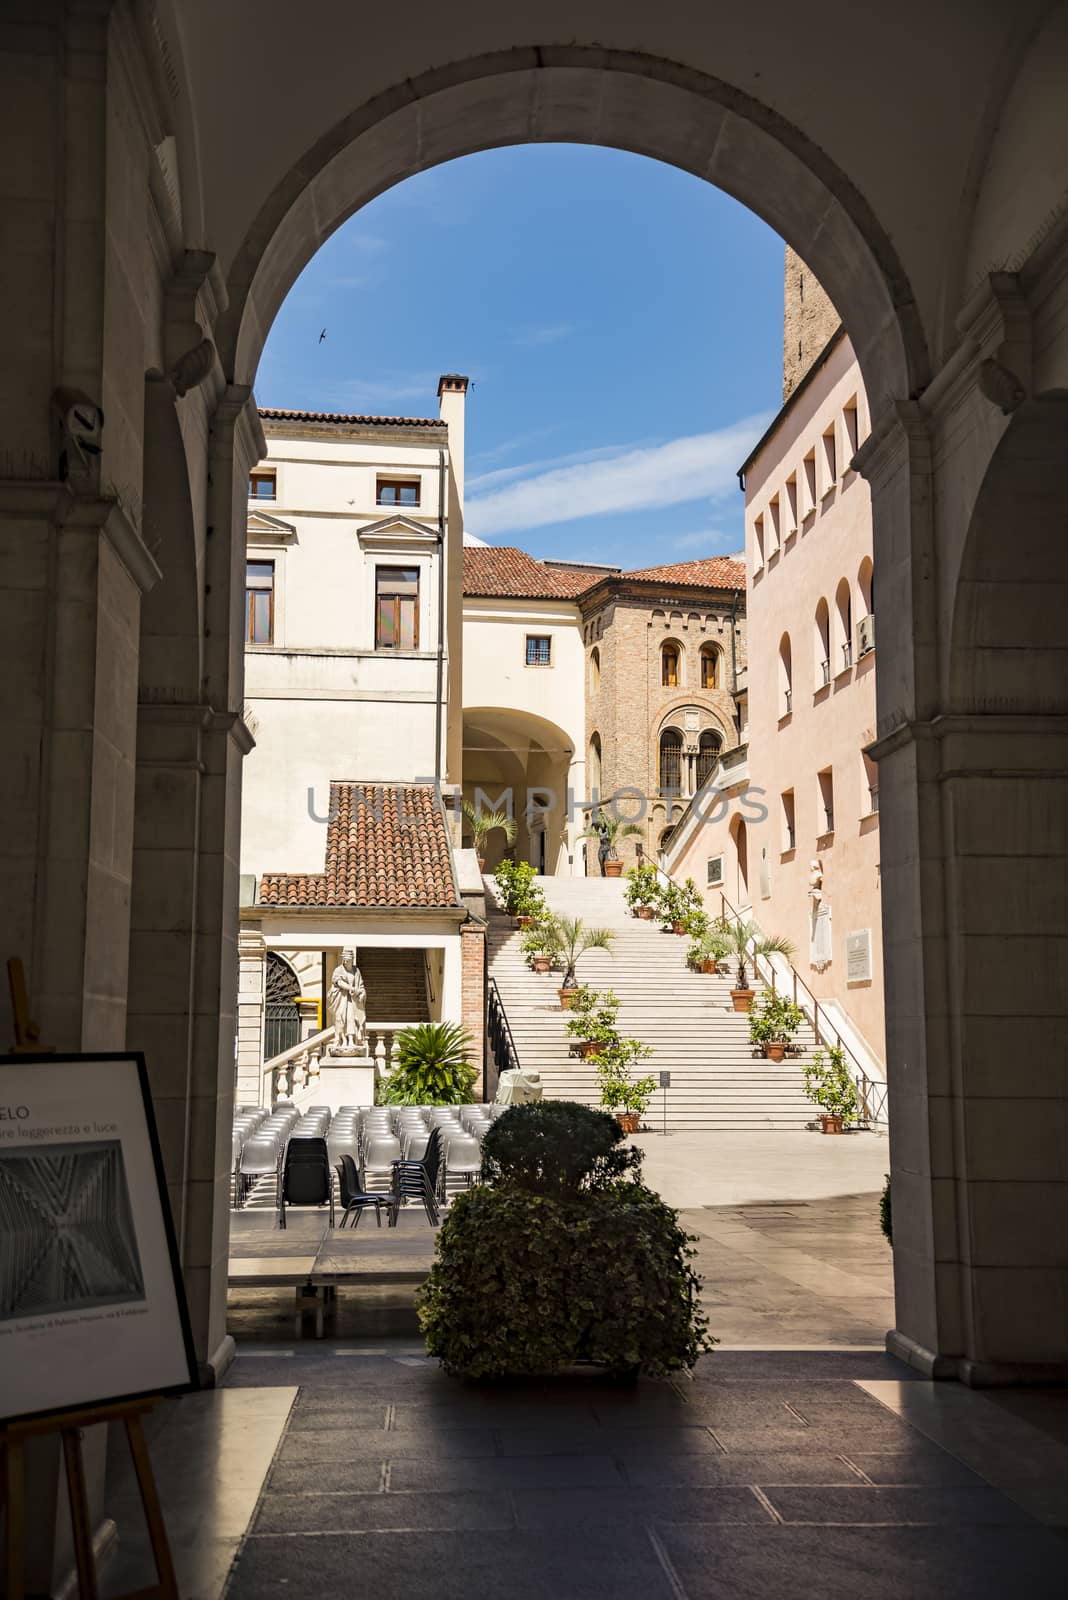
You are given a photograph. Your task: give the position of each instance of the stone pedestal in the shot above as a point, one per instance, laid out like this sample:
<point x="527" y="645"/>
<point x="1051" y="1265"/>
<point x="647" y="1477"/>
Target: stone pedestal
<point x="346" y="1081"/>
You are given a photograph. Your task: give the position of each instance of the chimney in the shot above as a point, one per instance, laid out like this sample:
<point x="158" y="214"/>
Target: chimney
<point x="452" y="388"/>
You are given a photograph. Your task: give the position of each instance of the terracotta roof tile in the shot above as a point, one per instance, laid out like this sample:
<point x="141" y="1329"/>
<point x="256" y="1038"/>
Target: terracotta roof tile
<point x="386" y="845"/>
<point x="507" y="571"/>
<point x="351" y="418"/>
<point x="714" y="572"/>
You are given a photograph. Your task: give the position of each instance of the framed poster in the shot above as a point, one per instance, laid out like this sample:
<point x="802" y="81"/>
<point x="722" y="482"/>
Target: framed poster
<point x="92" y="1304"/>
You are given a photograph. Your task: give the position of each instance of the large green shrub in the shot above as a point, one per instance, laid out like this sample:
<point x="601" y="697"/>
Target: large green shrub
<point x="774" y="1019"/>
<point x="558" y="1258"/>
<point x="517" y="892"/>
<point x="433" y="1067"/>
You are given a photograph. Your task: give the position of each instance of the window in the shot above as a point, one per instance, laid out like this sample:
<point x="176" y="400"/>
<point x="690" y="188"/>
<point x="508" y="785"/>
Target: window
<point x="758" y="531"/>
<point x="843" y="602"/>
<point x="669" y="666"/>
<point x="259" y="602"/>
<point x="786" y="676"/>
<point x="830" y="461"/>
<point x="539" y="649"/>
<point x="398" y="492"/>
<point x="825" y="800"/>
<point x="593" y="764"/>
<point x="671" y="760"/>
<point x="822" y="641"/>
<point x="263" y="485"/>
<point x="714" y="871"/>
<point x="789" y="831"/>
<point x="708" y="747"/>
<point x="849" y="418"/>
<point x="870" y="799"/>
<point x="709" y="667"/>
<point x="790" y="507"/>
<point x="774" y="526"/>
<point x="865" y="587"/>
<point x="809" y="483"/>
<point x="396" y="608"/>
<point x="595" y="670"/>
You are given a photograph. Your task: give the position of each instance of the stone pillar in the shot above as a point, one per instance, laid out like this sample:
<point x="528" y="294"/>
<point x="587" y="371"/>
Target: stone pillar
<point x="473" y="984"/>
<point x="251" y="1000"/>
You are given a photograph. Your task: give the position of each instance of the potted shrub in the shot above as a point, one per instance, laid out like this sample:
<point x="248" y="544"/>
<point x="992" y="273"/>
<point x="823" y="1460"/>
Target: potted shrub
<point x="531" y="908"/>
<point x="561" y="1209"/>
<point x="708" y="949"/>
<point x="829" y="1085"/>
<point x="482" y="824"/>
<point x="592" y="1023"/>
<point x="619" y="1092"/>
<point x="745" y="943"/>
<point x="571" y="939"/>
<point x="609" y="826"/>
<point x="433" y="1067"/>
<point x="643" y="890"/>
<point x="536" y="945"/>
<point x="517" y="893"/>
<point x="773" y="1023"/>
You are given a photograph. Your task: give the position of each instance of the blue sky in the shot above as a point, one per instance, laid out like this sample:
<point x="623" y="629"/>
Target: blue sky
<point x="621" y="322"/>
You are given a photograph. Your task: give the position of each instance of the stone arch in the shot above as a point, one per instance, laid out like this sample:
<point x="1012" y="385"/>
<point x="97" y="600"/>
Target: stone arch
<point x="595" y="670"/>
<point x="580" y="93"/>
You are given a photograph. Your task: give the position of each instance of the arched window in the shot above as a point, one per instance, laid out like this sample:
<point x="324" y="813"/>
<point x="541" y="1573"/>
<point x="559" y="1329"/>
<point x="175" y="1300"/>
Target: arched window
<point x="671" y="760"/>
<point x="665" y="837"/>
<point x="670" y="666"/>
<point x="843" y="626"/>
<point x="869" y="802"/>
<point x="595" y="670"/>
<point x="865" y="587"/>
<point x="822" y="644"/>
<point x="709" y="667"/>
<point x="281" y="1022"/>
<point x="786" y="676"/>
<point x="708" y="748"/>
<point x="593" y="762"/>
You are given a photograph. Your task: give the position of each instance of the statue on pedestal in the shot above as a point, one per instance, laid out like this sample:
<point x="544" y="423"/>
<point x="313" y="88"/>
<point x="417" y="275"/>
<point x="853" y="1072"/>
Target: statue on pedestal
<point x="348" y="1007"/>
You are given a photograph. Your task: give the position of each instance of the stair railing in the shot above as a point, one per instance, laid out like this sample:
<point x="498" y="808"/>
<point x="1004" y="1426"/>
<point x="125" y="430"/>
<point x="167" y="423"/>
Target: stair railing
<point x="499" y="1033"/>
<point x="872" y="1094"/>
<point x="289" y="1071"/>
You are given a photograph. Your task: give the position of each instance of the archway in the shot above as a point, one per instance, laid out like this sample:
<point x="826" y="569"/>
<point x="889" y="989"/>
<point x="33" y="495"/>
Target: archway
<point x="740" y="838"/>
<point x="528" y="761"/>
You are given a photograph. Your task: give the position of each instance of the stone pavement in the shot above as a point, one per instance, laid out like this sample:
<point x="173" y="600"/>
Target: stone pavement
<point x="843" y="1477"/>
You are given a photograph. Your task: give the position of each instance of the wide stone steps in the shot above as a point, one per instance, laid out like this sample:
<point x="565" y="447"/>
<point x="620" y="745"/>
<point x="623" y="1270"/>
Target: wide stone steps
<point x="717" y="1081"/>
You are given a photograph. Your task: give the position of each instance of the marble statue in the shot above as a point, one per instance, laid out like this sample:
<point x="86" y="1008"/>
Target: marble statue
<point x="815" y="879"/>
<point x="348" y="1007"/>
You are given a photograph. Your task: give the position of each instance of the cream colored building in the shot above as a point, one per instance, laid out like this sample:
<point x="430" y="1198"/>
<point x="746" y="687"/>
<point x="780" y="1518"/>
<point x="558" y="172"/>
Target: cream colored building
<point x="796" y="837"/>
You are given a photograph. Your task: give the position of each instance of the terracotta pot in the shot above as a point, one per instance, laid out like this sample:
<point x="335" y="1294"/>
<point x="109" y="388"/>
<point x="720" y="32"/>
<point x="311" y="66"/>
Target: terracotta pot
<point x="775" y="1049"/>
<point x="708" y="966"/>
<point x="831" y="1124"/>
<point x="525" y="922"/>
<point x="613" y="869"/>
<point x="585" y="1047"/>
<point x="645" y="912"/>
<point x="542" y="964"/>
<point x="481" y="863"/>
<point x="742" y="998"/>
<point x="629" y="1121"/>
<point x="678" y="927"/>
<point x="567" y="998"/>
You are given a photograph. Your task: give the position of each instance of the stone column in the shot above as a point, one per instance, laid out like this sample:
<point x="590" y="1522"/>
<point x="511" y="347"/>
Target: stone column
<point x="251" y="1001"/>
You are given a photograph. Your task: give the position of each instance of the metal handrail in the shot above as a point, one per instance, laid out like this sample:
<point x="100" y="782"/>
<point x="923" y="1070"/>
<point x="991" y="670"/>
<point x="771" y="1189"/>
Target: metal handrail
<point x="873" y="1095"/>
<point x="499" y="1031"/>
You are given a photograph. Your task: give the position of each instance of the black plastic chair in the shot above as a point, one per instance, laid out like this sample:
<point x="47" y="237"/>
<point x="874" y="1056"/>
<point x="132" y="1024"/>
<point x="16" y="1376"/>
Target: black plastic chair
<point x="422" y="1180"/>
<point x="307" y="1177"/>
<point x="356" y="1200"/>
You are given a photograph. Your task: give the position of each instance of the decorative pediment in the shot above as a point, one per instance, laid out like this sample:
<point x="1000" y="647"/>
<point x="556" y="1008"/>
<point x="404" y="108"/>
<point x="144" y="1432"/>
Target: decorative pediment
<point x="398" y="531"/>
<point x="265" y="529"/>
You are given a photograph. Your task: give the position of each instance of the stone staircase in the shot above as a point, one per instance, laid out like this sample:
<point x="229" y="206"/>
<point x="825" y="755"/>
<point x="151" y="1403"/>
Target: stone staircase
<point x="716" y="1080"/>
<point x="396" y="985"/>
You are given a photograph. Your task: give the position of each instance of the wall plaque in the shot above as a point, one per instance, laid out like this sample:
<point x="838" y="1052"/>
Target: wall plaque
<point x="858" y="956"/>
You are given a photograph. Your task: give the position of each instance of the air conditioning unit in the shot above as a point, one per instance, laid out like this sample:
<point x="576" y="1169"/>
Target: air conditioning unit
<point x="866" y="635"/>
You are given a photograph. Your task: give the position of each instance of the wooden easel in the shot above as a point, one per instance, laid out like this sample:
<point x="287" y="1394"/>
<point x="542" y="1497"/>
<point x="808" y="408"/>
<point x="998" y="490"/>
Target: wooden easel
<point x="69" y="1425"/>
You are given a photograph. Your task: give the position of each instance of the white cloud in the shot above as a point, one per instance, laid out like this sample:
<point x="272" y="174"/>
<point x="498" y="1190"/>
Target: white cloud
<point x="703" y="465"/>
<point x="550" y="333"/>
<point x="501" y="475"/>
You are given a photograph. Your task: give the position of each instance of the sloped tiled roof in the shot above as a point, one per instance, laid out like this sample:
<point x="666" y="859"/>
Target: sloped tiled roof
<point x="507" y="571"/>
<point x="715" y="572"/>
<point x="386" y="845"/>
<point x="351" y="418"/>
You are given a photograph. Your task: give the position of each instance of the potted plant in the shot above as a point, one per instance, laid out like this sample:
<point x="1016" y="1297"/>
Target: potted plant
<point x="536" y="945"/>
<point x="610" y="827"/>
<point x="571" y="939"/>
<point x="773" y="1023"/>
<point x="829" y="1085"/>
<point x="482" y="824"/>
<point x="619" y="1092"/>
<point x="531" y="908"/>
<point x="708" y="949"/>
<point x="517" y="893"/>
<point x="592" y="1023"/>
<point x="643" y="890"/>
<point x="746" y="942"/>
<point x="561" y="1207"/>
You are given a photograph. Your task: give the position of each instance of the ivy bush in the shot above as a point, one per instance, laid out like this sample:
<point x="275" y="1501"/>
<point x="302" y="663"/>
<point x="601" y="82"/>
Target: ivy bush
<point x="560" y="1257"/>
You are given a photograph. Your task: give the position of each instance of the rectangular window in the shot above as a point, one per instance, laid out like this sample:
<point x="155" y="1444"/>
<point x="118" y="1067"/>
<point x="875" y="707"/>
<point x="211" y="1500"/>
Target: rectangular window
<point x="715" y="871"/>
<point x="259" y="602"/>
<point x="398" y="492"/>
<point x="396" y="608"/>
<point x="790" y="508"/>
<point x="825" y="800"/>
<point x="263" y="485"/>
<point x="849" y="417"/>
<point x="539" y="649"/>
<point x="774" y="535"/>
<point x="758" y="530"/>
<point x="830" y="460"/>
<point x="789" y="837"/>
<point x="809" y="483"/>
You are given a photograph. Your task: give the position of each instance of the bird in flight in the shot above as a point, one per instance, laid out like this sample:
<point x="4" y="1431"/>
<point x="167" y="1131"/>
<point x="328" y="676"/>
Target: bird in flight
<point x="322" y="336"/>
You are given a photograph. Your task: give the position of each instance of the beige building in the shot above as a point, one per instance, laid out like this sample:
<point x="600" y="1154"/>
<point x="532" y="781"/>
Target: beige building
<point x="798" y="844"/>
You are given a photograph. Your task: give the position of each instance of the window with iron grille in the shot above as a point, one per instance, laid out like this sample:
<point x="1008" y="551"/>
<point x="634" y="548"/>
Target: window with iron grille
<point x="539" y="649"/>
<point x="671" y="760"/>
<point x="708" y="748"/>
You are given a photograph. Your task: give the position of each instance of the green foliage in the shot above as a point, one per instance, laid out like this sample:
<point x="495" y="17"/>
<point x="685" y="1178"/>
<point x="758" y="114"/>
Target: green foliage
<point x="611" y="827"/>
<point x="774" y="1019"/>
<point x="746" y="941"/>
<point x="829" y="1085"/>
<point x="526" y="1283"/>
<point x="517" y="892"/>
<point x="433" y="1067"/>
<point x="556" y="1147"/>
<point x="682" y="902"/>
<point x="619" y="1091"/>
<point x="643" y="886"/>
<point x="886" y="1216"/>
<point x="593" y="1015"/>
<point x="537" y="941"/>
<point x="712" y="944"/>
<point x="483" y="823"/>
<point x="571" y="938"/>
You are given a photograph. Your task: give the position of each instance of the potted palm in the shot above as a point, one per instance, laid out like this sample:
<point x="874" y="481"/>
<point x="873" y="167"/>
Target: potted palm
<point x="773" y="1023"/>
<point x="620" y="1094"/>
<point x="643" y="890"/>
<point x="570" y="939"/>
<point x="592" y="1023"/>
<point x="746" y="942"/>
<point x="708" y="949"/>
<point x="482" y="824"/>
<point x="608" y="828"/>
<point x="829" y="1085"/>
